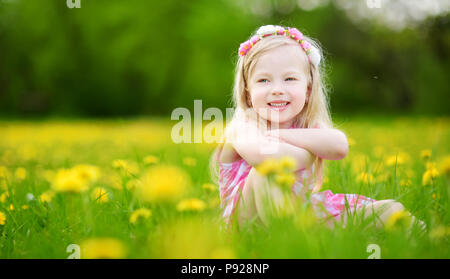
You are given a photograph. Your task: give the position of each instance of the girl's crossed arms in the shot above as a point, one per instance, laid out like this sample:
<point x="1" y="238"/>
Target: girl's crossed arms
<point x="302" y="144"/>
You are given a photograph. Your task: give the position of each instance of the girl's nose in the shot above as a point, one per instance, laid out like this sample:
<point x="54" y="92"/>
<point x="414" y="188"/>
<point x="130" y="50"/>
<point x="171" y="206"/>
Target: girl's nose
<point x="277" y="91"/>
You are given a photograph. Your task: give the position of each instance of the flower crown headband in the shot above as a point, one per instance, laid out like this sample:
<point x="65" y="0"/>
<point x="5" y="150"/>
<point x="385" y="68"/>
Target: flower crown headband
<point x="293" y="33"/>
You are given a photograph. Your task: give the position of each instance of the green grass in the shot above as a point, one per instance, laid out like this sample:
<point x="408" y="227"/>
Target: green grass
<point x="44" y="230"/>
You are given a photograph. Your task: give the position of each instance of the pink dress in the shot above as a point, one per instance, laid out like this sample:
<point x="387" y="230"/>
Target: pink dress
<point x="232" y="177"/>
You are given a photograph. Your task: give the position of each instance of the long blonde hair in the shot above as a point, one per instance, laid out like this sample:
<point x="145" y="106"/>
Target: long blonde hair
<point x="315" y="112"/>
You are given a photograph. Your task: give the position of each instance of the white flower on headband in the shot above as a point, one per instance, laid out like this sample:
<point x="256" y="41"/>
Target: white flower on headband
<point x="266" y="29"/>
<point x="314" y="55"/>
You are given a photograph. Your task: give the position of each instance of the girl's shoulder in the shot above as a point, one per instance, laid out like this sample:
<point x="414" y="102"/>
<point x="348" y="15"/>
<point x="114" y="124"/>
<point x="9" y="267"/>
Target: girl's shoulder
<point x="233" y="132"/>
<point x="229" y="154"/>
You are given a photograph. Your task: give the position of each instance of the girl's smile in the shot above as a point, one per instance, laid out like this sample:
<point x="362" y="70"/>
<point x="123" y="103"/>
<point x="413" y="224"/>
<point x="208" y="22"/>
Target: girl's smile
<point x="279" y="105"/>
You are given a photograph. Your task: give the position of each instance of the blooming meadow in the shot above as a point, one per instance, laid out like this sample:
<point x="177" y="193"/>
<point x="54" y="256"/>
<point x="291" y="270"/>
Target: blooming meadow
<point x="123" y="189"/>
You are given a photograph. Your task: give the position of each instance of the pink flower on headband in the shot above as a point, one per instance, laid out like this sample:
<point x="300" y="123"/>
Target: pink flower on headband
<point x="269" y="30"/>
<point x="247" y="45"/>
<point x="305" y="45"/>
<point x="254" y="39"/>
<point x="295" y="34"/>
<point x="244" y="48"/>
<point x="280" y="30"/>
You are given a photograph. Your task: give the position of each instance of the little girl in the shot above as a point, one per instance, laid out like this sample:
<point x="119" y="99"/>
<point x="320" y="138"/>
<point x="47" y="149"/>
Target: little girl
<point x="278" y="83"/>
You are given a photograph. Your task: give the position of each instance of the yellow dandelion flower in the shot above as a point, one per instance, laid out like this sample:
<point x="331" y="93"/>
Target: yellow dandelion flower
<point x="99" y="195"/>
<point x="47" y="196"/>
<point x="285" y="180"/>
<point x="398" y="220"/>
<point x="87" y="172"/>
<point x="425" y="154"/>
<point x="268" y="167"/>
<point x="163" y="183"/>
<point x="25" y="207"/>
<point x="119" y="164"/>
<point x="392" y="160"/>
<point x="2" y="218"/>
<point x="210" y="187"/>
<point x="288" y="163"/>
<point x="151" y="160"/>
<point x="67" y="180"/>
<point x="103" y="248"/>
<point x="429" y="176"/>
<point x="189" y="161"/>
<point x="11" y="207"/>
<point x="365" y="177"/>
<point x="399" y="159"/>
<point x="20" y="174"/>
<point x="191" y="205"/>
<point x="140" y="214"/>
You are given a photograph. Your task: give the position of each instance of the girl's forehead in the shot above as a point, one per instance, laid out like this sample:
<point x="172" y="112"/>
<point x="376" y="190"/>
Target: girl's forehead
<point x="282" y="58"/>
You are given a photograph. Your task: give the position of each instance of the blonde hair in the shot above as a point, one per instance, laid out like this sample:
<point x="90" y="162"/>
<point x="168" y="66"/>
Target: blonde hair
<point x="314" y="113"/>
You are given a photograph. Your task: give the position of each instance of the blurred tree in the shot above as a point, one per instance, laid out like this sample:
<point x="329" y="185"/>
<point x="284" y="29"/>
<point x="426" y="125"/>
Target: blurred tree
<point x="148" y="57"/>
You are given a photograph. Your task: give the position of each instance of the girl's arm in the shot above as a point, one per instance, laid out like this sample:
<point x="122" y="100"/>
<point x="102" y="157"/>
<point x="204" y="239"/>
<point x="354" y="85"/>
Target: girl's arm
<point x="254" y="147"/>
<point x="329" y="144"/>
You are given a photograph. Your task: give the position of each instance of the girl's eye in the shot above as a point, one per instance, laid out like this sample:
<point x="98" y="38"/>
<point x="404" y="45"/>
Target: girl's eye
<point x="263" y="80"/>
<point x="291" y="78"/>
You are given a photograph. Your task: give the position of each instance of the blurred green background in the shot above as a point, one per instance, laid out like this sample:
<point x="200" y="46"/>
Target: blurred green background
<point x="128" y="58"/>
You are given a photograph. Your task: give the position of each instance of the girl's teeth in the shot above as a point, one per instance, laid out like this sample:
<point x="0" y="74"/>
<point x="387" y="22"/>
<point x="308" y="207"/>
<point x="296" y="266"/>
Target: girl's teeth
<point x="278" y="104"/>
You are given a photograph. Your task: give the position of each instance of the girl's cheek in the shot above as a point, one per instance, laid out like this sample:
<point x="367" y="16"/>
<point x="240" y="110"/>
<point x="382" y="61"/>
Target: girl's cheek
<point x="258" y="94"/>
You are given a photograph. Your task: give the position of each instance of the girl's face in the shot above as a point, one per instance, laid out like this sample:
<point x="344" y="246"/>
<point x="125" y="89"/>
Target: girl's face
<point x="278" y="85"/>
